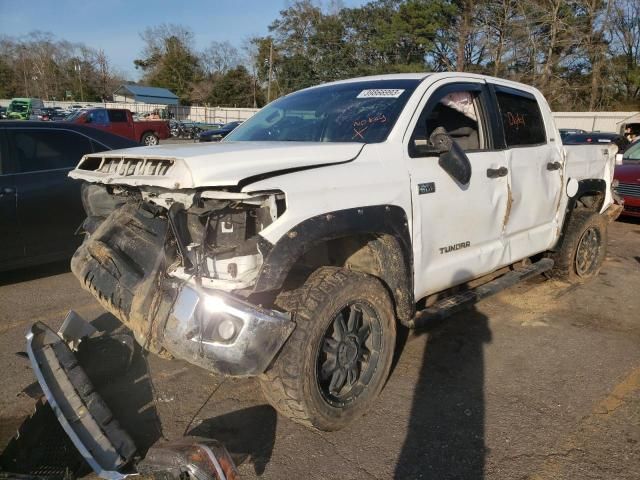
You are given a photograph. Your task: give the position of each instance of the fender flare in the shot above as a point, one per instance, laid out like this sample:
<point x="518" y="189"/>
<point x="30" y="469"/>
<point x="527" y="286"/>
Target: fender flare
<point x="386" y="221"/>
<point x="588" y="185"/>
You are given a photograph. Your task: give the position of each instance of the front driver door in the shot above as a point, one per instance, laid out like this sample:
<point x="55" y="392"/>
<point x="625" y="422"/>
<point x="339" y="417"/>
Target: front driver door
<point x="457" y="229"/>
<point x="11" y="245"/>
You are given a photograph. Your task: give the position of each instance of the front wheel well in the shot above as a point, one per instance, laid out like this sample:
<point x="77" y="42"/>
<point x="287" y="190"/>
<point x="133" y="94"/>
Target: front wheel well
<point x="379" y="255"/>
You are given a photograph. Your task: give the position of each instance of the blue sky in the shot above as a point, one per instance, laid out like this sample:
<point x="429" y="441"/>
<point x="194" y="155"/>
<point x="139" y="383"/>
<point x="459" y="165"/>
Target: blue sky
<point x="114" y="25"/>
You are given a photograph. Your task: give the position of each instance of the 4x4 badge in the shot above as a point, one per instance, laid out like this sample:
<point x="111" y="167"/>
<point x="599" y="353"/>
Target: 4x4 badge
<point x="426" y="188"/>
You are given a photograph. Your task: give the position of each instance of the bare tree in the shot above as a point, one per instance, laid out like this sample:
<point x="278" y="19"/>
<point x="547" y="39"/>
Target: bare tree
<point x="625" y="48"/>
<point x="220" y="57"/>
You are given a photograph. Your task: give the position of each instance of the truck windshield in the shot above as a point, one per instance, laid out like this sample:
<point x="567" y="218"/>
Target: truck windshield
<point x="74" y="115"/>
<point x="633" y="153"/>
<point x="19" y="107"/>
<point x="346" y="112"/>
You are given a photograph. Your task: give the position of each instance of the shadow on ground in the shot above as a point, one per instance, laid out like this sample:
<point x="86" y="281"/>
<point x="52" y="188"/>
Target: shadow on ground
<point x="629" y="220"/>
<point x="34" y="272"/>
<point x="42" y="449"/>
<point x="248" y="434"/>
<point x="119" y="371"/>
<point x="445" y="437"/>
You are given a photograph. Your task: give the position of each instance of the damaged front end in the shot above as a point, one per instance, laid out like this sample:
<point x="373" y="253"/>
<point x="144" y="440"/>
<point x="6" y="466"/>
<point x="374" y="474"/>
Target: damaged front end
<point x="173" y="266"/>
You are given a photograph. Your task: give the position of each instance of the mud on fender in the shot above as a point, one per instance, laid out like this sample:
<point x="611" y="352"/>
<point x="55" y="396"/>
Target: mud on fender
<point x="120" y="263"/>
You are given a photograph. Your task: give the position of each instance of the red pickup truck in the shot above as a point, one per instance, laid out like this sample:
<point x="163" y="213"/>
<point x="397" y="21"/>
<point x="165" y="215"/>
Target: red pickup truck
<point x="120" y="122"/>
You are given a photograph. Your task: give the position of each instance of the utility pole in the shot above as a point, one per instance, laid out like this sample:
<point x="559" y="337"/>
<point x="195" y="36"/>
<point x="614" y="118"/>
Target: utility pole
<point x="270" y="69"/>
<point x="78" y="68"/>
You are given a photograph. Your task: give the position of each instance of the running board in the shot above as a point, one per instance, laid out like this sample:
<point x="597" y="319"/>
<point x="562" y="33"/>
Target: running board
<point x="463" y="300"/>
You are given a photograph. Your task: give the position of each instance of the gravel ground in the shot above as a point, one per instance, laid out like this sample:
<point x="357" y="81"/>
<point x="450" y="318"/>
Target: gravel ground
<point x="541" y="381"/>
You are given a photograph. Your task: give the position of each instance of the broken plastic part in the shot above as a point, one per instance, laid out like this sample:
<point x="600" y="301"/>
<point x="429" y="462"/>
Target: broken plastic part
<point x="198" y="458"/>
<point x="74" y="329"/>
<point x="85" y="417"/>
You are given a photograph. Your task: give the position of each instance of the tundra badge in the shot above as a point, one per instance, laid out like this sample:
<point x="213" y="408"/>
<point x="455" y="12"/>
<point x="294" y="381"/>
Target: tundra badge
<point x="426" y="188"/>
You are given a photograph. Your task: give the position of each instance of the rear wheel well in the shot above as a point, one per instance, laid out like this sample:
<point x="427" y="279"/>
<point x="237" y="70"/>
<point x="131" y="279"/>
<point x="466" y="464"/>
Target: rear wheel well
<point x="152" y="132"/>
<point x="592" y="200"/>
<point x="379" y="255"/>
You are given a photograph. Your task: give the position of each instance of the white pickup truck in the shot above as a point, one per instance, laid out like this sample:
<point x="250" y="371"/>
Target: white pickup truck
<point x="291" y="250"/>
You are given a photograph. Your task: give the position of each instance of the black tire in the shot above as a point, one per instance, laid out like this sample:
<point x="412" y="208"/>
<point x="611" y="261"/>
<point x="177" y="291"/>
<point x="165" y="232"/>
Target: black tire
<point x="583" y="249"/>
<point x="299" y="383"/>
<point x="149" y="138"/>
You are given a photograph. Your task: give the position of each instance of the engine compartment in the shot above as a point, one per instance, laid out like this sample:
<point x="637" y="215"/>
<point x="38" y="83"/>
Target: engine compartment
<point x="212" y="235"/>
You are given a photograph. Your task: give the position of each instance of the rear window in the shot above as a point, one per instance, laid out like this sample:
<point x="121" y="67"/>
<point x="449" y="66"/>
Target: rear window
<point x="595" y="139"/>
<point x="117" y="115"/>
<point x="580" y="139"/>
<point x="521" y="118"/>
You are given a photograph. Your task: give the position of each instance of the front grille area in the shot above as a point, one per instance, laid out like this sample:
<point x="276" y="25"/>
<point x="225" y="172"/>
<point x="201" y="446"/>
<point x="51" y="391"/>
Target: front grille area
<point x="125" y="167"/>
<point x="628" y="190"/>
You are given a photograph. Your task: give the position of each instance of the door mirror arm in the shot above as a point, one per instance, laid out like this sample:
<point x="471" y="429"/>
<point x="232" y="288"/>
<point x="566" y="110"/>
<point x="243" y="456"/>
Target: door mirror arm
<point x="452" y="159"/>
<point x="438" y="143"/>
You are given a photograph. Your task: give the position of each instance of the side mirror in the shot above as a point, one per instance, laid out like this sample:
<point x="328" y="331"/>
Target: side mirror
<point x="619" y="158"/>
<point x="452" y="159"/>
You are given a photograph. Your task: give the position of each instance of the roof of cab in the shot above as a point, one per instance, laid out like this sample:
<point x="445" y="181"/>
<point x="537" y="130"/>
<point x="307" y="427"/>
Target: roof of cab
<point x="420" y="76"/>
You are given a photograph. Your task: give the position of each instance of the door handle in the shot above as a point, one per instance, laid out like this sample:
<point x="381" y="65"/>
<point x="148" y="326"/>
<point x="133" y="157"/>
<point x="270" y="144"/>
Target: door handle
<point x="554" y="166"/>
<point x="7" y="191"/>
<point x="497" y="172"/>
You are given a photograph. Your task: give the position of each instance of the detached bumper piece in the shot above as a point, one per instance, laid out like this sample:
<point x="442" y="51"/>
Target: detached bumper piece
<point x="86" y="419"/>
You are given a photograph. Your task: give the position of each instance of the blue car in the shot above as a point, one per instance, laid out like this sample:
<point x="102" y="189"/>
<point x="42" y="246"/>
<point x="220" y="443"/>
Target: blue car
<point x="219" y="133"/>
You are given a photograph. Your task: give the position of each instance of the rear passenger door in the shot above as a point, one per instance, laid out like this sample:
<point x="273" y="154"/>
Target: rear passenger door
<point x="535" y="163"/>
<point x="49" y="206"/>
<point x="11" y="245"/>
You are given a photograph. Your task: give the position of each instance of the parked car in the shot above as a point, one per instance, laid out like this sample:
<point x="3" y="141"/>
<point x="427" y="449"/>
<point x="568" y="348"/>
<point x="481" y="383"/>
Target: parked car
<point x="627" y="176"/>
<point x="565" y="132"/>
<point x="54" y="114"/>
<point x="40" y="207"/>
<point x="44" y="114"/>
<point x="120" y="122"/>
<point x="291" y="250"/>
<point x="218" y="134"/>
<point x="597" y="138"/>
<point x="24" y="108"/>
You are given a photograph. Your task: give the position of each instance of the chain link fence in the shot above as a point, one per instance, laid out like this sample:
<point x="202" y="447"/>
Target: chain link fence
<point x="206" y="115"/>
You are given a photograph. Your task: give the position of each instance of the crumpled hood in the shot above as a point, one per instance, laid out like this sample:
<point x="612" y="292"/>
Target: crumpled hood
<point x="197" y="165"/>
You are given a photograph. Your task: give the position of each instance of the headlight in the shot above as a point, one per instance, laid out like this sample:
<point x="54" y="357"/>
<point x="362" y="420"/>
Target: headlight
<point x="215" y="323"/>
<point x="213" y="304"/>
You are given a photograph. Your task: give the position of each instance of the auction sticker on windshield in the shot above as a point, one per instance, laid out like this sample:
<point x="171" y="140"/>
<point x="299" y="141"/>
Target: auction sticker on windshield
<point x="381" y="93"/>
